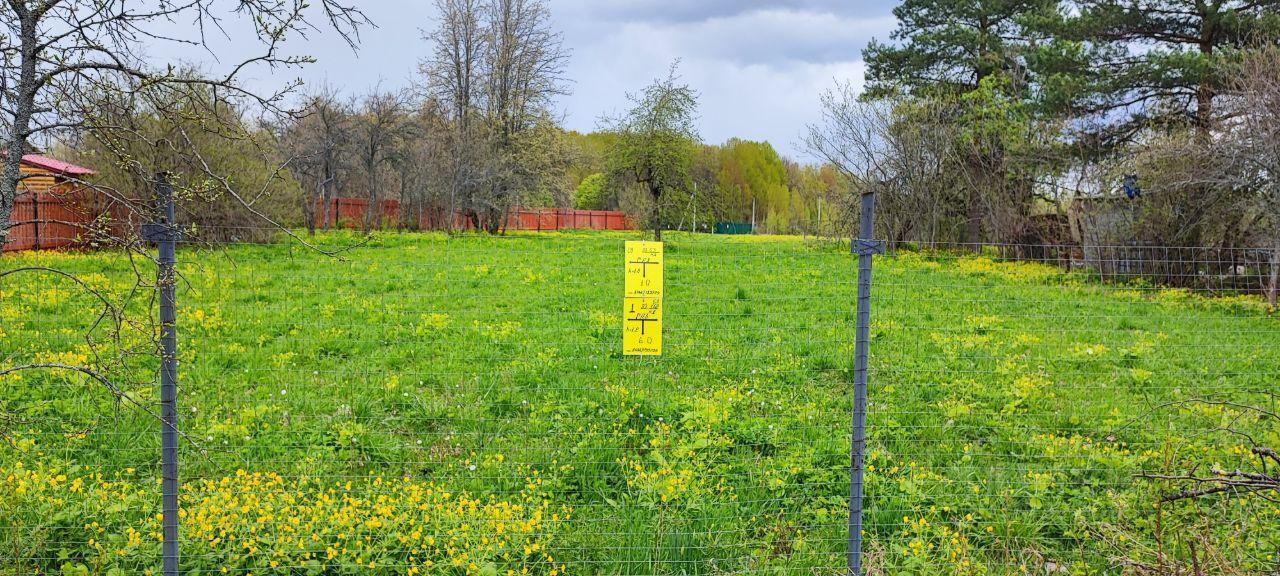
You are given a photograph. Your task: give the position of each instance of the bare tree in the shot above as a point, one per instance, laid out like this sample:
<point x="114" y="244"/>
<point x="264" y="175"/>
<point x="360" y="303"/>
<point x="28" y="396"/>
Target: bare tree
<point x="498" y="66"/>
<point x="381" y="127"/>
<point x="902" y="149"/>
<point x="524" y="64"/>
<point x="1254" y="94"/>
<point x="70" y="71"/>
<point x="320" y="144"/>
<point x="452" y="75"/>
<point x="1225" y="187"/>
<point x="424" y="168"/>
<point x="59" y="56"/>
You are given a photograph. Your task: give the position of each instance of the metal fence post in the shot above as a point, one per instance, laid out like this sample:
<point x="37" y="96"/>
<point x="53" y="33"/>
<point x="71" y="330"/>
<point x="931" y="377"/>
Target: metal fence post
<point x="865" y="247"/>
<point x="165" y="234"/>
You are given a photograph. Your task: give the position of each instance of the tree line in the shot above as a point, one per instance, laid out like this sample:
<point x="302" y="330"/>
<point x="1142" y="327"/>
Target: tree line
<point x="474" y="136"/>
<point x="442" y="157"/>
<point x="1004" y="121"/>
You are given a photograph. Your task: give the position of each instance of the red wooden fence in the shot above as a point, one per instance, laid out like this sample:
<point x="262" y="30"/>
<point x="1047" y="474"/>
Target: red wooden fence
<point x="49" y="221"/>
<point x="350" y="213"/>
<point x="567" y="219"/>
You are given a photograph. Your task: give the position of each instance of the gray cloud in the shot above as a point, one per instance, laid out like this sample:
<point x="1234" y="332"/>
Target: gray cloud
<point x="668" y="11"/>
<point x="770" y="36"/>
<point x="759" y="65"/>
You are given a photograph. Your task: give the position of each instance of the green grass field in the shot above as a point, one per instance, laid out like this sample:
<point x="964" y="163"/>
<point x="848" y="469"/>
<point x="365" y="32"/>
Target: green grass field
<point x="428" y="405"/>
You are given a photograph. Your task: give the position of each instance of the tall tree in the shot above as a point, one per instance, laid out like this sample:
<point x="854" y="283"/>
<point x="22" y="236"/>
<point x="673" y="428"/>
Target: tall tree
<point x="952" y="48"/>
<point x="657" y="140"/>
<point x="1158" y="60"/>
<point x="58" y="56"/>
<point x="947" y="47"/>
<point x="452" y="74"/>
<point x="498" y="65"/>
<point x="319" y="144"/>
<point x="1163" y="65"/>
<point x="381" y="127"/>
<point x="1242" y="159"/>
<point x="1256" y="88"/>
<point x="524" y="67"/>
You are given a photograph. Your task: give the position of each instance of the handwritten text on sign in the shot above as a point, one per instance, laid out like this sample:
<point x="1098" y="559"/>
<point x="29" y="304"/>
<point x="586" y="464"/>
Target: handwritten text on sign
<point x="642" y="300"/>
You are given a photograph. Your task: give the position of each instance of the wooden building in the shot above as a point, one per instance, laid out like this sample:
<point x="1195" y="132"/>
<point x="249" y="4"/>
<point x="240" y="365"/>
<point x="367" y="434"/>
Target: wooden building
<point x="54" y="207"/>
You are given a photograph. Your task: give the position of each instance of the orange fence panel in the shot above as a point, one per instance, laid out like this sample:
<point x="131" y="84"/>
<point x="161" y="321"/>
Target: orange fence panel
<point x="563" y="219"/>
<point x="55" y="221"/>
<point x="22" y="236"/>
<point x="350" y="212"/>
<point x="48" y="221"/>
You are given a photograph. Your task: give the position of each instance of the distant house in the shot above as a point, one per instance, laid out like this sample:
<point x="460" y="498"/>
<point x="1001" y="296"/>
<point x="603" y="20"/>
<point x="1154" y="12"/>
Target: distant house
<point x="55" y="207"/>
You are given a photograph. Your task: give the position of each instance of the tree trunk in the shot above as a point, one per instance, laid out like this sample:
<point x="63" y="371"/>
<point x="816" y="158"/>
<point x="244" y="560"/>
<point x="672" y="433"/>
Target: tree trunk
<point x="330" y="204"/>
<point x="1205" y="92"/>
<point x="1273" y="288"/>
<point x="372" y="195"/>
<point x="23" y="110"/>
<point x="329" y="208"/>
<point x="9" y="188"/>
<point x="1204" y="113"/>
<point x="973" y="219"/>
<point x="309" y="205"/>
<point x="494" y="224"/>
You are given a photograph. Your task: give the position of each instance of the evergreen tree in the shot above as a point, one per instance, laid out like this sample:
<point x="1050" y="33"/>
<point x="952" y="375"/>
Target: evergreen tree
<point x="1141" y="62"/>
<point x="959" y="51"/>
<point x="948" y="47"/>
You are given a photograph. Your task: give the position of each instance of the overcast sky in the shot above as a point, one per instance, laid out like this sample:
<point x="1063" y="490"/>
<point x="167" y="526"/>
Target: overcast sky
<point x="759" y="65"/>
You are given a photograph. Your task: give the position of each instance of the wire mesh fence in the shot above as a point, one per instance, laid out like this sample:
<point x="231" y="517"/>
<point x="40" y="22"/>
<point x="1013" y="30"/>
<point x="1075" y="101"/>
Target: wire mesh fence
<point x="1030" y="419"/>
<point x="459" y="405"/>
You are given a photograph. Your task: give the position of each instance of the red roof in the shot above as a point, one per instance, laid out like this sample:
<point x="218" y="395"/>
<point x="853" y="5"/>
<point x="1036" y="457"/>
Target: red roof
<point x="58" y="166"/>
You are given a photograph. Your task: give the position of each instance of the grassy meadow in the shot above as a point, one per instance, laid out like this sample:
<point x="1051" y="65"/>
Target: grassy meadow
<point x="436" y="405"/>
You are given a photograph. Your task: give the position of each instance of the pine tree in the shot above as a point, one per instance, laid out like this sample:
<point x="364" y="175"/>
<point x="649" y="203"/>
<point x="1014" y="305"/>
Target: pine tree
<point x="947" y="47"/>
<point x="1153" y="62"/>
<point x="958" y="50"/>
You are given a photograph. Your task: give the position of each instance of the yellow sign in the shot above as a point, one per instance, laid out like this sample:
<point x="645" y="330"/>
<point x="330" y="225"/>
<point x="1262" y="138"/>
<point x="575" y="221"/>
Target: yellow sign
<point x="642" y="300"/>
